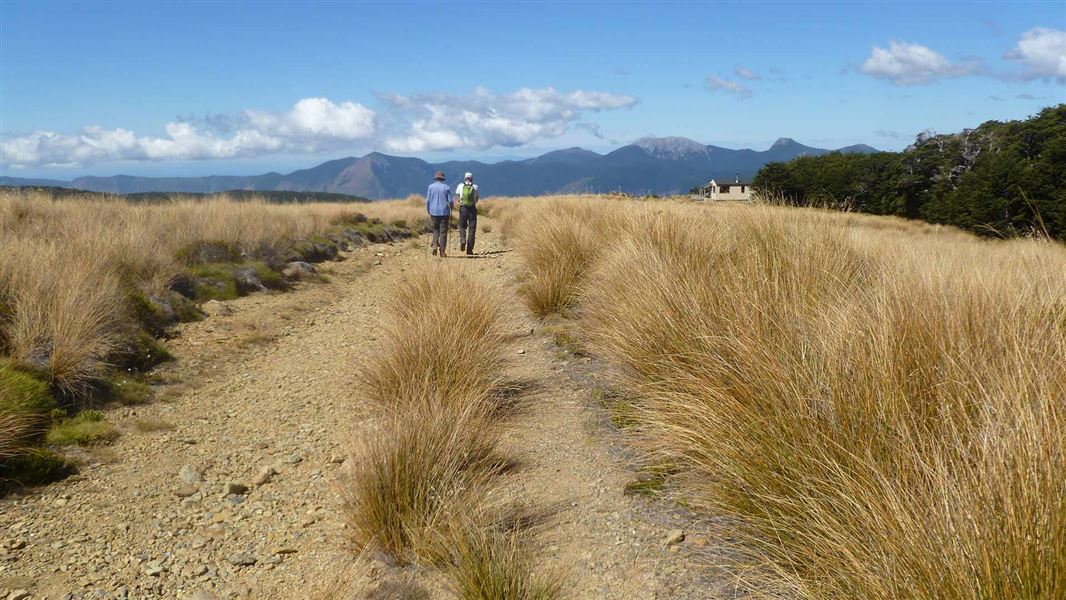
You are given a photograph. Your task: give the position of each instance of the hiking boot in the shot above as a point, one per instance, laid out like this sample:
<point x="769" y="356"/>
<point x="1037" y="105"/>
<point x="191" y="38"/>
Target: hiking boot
<point x="443" y="254"/>
<point x="462" y="247"/>
<point x="434" y="251"/>
<point x="469" y="252"/>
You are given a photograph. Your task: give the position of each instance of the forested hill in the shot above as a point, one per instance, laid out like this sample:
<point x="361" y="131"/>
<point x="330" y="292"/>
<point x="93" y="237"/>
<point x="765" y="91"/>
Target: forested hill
<point x="999" y="179"/>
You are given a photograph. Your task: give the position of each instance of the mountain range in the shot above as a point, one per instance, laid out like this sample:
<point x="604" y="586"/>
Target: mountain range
<point x="650" y="165"/>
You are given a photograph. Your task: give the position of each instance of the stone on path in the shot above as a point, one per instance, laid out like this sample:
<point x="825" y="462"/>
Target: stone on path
<point x="184" y="491"/>
<point x="241" y="559"/>
<point x="264" y="476"/>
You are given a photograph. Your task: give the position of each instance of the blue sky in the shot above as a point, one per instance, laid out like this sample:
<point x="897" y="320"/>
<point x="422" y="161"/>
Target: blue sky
<point x="236" y="88"/>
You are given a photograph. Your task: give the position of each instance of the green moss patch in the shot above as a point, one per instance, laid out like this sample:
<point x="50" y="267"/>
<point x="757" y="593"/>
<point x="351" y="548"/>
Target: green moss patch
<point x="621" y="407"/>
<point x="651" y="480"/>
<point x="128" y="391"/>
<point x="21" y="391"/>
<point x="85" y="429"/>
<point x="205" y="252"/>
<point x="142" y="352"/>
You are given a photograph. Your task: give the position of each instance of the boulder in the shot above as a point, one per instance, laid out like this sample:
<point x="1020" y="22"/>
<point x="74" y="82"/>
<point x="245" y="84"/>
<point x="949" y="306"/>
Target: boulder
<point x="299" y="269"/>
<point x="248" y="281"/>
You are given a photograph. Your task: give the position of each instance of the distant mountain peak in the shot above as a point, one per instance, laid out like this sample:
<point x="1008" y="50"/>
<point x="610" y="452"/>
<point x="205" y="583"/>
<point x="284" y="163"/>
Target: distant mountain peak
<point x="671" y="147"/>
<point x="784" y="143"/>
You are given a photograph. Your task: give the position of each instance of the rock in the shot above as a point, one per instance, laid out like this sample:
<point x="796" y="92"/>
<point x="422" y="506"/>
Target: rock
<point x="264" y="476"/>
<point x="190" y="474"/>
<point x="235" y="488"/>
<point x="292" y="459"/>
<point x="241" y="559"/>
<point x="284" y="550"/>
<point x="299" y="269"/>
<point x="522" y="351"/>
<point x="675" y="536"/>
<point x="214" y="308"/>
<point x="248" y="281"/>
<point x="18" y="595"/>
<point x="337" y="459"/>
<point x="201" y="595"/>
<point x="154" y="569"/>
<point x="184" y="491"/>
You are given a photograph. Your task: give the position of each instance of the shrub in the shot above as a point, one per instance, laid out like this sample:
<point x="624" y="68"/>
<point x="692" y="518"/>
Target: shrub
<point x="86" y="428"/>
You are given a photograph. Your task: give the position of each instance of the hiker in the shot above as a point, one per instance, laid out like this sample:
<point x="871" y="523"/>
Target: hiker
<point x="439" y="207"/>
<point x="468" y="197"/>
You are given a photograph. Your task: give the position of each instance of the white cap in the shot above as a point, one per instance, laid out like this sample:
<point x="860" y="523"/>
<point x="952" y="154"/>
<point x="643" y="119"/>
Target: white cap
<point x="468" y="176"/>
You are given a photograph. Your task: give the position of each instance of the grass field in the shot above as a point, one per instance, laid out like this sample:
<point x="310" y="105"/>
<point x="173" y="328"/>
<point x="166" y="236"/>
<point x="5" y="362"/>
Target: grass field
<point x="874" y="407"/>
<point x="89" y="284"/>
<point x="878" y="405"/>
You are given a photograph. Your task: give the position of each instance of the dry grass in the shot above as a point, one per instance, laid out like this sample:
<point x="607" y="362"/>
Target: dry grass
<point x="444" y="341"/>
<point x="880" y="407"/>
<point x="416" y="489"/>
<point x="487" y="563"/>
<point x="67" y="266"/>
<point x="15" y="430"/>
<point x="426" y="465"/>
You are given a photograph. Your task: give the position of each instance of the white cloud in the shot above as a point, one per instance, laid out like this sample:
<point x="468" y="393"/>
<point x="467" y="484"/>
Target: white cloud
<point x="312" y="124"/>
<point x="1043" y="52"/>
<point x="715" y="83"/>
<point x="484" y="119"/>
<point x="746" y="73"/>
<point x="415" y="123"/>
<point x="913" y="64"/>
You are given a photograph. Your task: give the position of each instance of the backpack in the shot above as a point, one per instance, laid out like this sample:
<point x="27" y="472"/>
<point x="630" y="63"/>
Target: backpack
<point x="468" y="194"/>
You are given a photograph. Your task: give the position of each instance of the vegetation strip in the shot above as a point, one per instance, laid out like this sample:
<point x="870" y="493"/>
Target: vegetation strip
<point x="877" y="405"/>
<point x="91" y="285"/>
<point x="416" y="491"/>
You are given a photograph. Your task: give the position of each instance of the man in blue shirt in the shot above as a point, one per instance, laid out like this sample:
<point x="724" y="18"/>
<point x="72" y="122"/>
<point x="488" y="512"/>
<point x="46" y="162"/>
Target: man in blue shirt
<point x="439" y="207"/>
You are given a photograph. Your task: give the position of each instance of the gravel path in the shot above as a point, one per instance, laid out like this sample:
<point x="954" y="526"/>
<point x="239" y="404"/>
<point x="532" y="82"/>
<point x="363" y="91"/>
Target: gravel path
<point x="224" y="488"/>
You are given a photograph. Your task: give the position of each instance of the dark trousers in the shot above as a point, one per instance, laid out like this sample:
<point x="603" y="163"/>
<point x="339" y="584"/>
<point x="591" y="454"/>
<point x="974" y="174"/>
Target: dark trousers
<point x="440" y="232"/>
<point x="467" y="218"/>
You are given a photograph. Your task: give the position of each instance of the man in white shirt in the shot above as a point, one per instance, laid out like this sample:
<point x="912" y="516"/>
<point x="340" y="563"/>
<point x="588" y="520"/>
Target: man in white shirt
<point x="467" y="196"/>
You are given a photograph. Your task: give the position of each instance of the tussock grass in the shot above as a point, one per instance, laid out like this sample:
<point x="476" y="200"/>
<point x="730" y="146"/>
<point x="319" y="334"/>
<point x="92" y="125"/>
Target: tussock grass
<point x="424" y="467"/>
<point x="491" y="564"/>
<point x="75" y="274"/>
<point x="16" y="428"/>
<point x="415" y="491"/>
<point x="880" y="408"/>
<point x="444" y="342"/>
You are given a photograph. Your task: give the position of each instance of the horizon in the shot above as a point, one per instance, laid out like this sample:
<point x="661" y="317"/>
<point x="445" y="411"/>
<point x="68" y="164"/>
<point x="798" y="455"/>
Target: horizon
<point x="294" y="87"/>
<point x="323" y="160"/>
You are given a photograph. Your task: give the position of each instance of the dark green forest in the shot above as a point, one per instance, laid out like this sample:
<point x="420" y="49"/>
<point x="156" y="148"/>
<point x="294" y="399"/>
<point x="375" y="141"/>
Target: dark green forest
<point x="1001" y="179"/>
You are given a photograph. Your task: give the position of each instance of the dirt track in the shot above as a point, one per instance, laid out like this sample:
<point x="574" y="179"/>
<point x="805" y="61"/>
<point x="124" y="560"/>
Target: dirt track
<point x="270" y="386"/>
